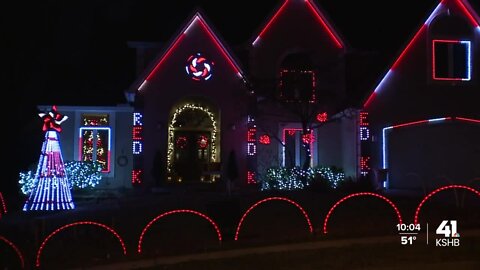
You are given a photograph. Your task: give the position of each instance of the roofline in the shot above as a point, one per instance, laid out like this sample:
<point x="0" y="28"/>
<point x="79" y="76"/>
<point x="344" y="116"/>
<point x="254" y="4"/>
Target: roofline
<point x="468" y="12"/>
<point x="324" y="21"/>
<point x="156" y="63"/>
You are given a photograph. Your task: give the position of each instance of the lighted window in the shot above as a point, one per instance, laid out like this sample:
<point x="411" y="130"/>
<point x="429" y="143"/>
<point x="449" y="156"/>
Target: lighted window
<point x="297" y="85"/>
<point x="451" y="60"/>
<point x="293" y="152"/>
<point x="95" y="140"/>
<point x="95" y="120"/>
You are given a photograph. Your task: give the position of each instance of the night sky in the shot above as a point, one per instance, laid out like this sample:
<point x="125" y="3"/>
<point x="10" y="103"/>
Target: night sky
<point x="75" y="52"/>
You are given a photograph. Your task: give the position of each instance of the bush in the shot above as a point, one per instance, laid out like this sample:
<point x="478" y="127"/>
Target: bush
<point x="321" y="178"/>
<point x="81" y="175"/>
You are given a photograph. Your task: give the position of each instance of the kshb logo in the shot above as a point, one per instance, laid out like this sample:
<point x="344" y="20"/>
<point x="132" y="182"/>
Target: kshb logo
<point x="451" y="237"/>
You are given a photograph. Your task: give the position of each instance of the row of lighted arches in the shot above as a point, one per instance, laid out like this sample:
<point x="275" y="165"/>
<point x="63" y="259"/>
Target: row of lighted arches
<point x="217" y="229"/>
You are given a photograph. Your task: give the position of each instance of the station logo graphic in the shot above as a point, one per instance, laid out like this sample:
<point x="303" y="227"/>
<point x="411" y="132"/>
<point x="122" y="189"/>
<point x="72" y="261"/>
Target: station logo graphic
<point x="447" y="234"/>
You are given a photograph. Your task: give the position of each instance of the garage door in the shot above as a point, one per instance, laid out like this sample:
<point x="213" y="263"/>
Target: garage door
<point x="433" y="154"/>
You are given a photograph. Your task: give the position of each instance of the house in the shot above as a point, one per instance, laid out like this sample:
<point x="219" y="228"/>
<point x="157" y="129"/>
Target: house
<point x="102" y="134"/>
<point x="421" y="124"/>
<point x="298" y="67"/>
<point x="196" y="107"/>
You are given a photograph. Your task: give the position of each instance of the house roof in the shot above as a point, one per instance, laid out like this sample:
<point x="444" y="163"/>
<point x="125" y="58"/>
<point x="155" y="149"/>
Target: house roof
<point x="444" y="6"/>
<point x="150" y="72"/>
<point x="314" y="8"/>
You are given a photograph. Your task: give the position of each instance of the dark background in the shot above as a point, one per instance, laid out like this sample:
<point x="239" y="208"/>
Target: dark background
<point x="75" y="52"/>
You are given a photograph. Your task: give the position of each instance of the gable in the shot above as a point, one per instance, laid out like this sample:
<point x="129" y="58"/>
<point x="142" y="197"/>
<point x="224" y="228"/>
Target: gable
<point x="458" y="7"/>
<point x="194" y="40"/>
<point x="302" y="10"/>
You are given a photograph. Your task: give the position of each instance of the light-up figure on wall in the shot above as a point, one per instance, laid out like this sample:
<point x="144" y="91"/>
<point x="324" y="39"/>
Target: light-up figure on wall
<point x="199" y="68"/>
<point x="52" y="188"/>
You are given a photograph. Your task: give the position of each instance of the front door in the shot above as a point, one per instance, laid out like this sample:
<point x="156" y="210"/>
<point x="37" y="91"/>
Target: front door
<point x="191" y="154"/>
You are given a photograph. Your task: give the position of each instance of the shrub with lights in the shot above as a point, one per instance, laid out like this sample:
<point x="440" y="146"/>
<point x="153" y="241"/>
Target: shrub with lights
<point x="281" y="178"/>
<point x="81" y="174"/>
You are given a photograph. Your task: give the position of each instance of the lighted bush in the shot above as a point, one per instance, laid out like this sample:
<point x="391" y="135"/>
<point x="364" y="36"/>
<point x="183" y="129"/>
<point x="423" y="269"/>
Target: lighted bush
<point x="81" y="175"/>
<point x="281" y="178"/>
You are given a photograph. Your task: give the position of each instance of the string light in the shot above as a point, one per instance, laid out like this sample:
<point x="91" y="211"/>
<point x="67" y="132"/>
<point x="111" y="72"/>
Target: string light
<point x="282" y="178"/>
<point x="399" y="216"/>
<point x="171" y="132"/>
<point x="82" y="174"/>
<point x="51" y="189"/>
<point x="112" y="231"/>
<point x="16" y="249"/>
<point x="136" y="177"/>
<point x="179" y="211"/>
<point x="264" y="139"/>
<point x="239" y="226"/>
<point x="419" y="207"/>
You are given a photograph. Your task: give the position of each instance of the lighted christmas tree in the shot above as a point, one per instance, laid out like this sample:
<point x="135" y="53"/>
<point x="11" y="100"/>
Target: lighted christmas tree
<point x="52" y="188"/>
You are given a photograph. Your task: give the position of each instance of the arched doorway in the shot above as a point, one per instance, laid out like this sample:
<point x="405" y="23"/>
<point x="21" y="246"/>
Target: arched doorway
<point x="192" y="143"/>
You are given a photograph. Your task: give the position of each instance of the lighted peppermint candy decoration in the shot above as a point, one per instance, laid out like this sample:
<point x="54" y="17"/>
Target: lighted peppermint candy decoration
<point x="199" y="68"/>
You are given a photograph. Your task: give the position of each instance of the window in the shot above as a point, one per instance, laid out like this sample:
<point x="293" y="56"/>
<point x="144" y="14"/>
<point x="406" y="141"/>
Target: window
<point x="451" y="60"/>
<point x="94" y="140"/>
<point x="293" y="152"/>
<point x="297" y="85"/>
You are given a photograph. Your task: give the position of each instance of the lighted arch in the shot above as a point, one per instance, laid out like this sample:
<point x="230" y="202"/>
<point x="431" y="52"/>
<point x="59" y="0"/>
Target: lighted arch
<point x="171" y="134"/>
<point x="417" y="212"/>
<point x="42" y="246"/>
<point x="356" y="195"/>
<point x="15" y="248"/>
<point x="310" y="227"/>
<point x="140" y="240"/>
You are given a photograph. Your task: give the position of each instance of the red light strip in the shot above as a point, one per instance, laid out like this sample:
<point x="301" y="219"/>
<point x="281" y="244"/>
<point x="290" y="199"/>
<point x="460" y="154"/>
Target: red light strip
<point x="310" y="227"/>
<point x="467" y="119"/>
<point x="4" y="205"/>
<point x="423" y="28"/>
<point x="165" y="56"/>
<point x="370" y="98"/>
<point x="397" y="211"/>
<point x="411" y="123"/>
<point x="271" y="20"/>
<point x="324" y="24"/>
<point x="468" y="13"/>
<point x="219" y="45"/>
<point x="140" y="240"/>
<point x="15" y="248"/>
<point x="417" y="212"/>
<point x="42" y="246"/>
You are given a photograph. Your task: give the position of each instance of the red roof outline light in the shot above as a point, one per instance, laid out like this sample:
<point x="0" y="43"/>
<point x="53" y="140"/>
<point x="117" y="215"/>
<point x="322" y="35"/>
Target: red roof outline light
<point x="197" y="17"/>
<point x="318" y="15"/>
<point x="463" y="6"/>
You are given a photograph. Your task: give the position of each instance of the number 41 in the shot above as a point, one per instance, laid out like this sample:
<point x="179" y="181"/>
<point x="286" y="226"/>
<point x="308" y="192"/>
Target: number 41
<point x="447" y="230"/>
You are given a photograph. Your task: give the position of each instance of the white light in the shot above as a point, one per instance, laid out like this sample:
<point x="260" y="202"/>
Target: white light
<point x="137" y="119"/>
<point x="383" y="81"/>
<point x="437" y="120"/>
<point x="434" y="14"/>
<point x="255" y="41"/>
<point x="137" y="148"/>
<point x="364" y="133"/>
<point x="469" y="60"/>
<point x="192" y="23"/>
<point x="142" y="85"/>
<point x="384" y="146"/>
